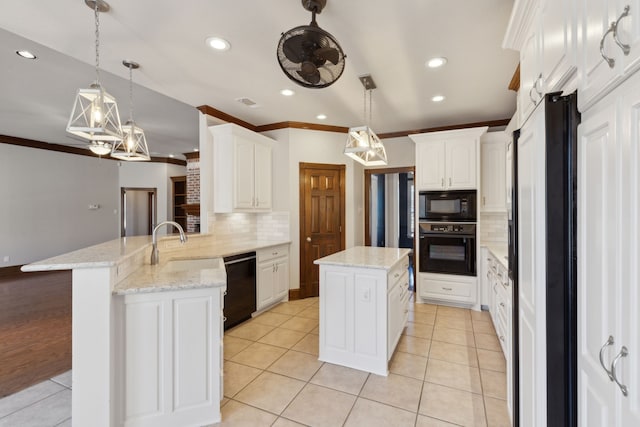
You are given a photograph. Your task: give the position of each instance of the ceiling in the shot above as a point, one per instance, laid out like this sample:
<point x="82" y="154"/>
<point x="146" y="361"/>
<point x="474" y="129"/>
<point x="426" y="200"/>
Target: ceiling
<point x="389" y="40"/>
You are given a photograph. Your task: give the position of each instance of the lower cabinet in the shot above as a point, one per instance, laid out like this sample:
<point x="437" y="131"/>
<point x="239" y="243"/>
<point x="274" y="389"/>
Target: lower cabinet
<point x="169" y="357"/>
<point x="362" y="314"/>
<point x="448" y="288"/>
<point x="272" y="280"/>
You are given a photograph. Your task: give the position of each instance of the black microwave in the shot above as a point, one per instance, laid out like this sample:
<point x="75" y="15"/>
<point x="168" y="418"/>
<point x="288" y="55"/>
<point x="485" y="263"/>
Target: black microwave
<point x="460" y="205"/>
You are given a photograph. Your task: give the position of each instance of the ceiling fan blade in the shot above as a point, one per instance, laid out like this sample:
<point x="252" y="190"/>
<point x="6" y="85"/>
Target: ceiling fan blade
<point x="293" y="48"/>
<point x="328" y="54"/>
<point x="309" y="72"/>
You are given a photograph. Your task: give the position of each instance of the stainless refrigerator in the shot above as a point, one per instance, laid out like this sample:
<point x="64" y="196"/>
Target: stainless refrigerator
<point x="559" y="136"/>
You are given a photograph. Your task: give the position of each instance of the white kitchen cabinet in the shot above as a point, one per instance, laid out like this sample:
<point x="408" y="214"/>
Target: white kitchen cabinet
<point x="448" y="160"/>
<point x="363" y="311"/>
<point x="171" y="339"/>
<point x="596" y="75"/>
<point x="608" y="253"/>
<point x="242" y="170"/>
<point x="493" y="172"/>
<point x="544" y="33"/>
<point x="448" y="288"/>
<point x="272" y="283"/>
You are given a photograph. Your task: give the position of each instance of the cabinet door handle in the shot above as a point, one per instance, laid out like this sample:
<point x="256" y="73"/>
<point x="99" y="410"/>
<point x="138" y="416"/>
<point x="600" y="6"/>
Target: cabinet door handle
<point x="484" y="200"/>
<point x="502" y="304"/>
<point x="449" y="181"/>
<point x="442" y="183"/>
<point x="447" y="289"/>
<point x="625" y="47"/>
<point x="623" y="353"/>
<point x="610" y="61"/>
<point x="605" y="345"/>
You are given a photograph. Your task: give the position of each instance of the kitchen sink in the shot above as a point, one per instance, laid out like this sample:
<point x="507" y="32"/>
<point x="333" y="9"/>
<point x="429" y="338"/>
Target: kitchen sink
<point x="177" y="265"/>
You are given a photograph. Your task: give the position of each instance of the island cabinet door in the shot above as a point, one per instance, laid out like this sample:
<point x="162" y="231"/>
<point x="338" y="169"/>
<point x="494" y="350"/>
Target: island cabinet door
<point x="353" y="318"/>
<point x="171" y="358"/>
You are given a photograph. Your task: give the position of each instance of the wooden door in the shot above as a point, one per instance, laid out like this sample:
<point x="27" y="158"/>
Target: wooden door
<point x="322" y="217"/>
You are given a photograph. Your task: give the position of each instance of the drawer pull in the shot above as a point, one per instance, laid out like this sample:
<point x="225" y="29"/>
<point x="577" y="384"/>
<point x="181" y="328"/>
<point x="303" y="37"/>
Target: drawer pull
<point x="502" y="304"/>
<point x="446" y="289"/>
<point x="623" y="353"/>
<point x="625" y="47"/>
<point x="605" y="345"/>
<point x="610" y="61"/>
<point x="224" y="319"/>
<point x="502" y="338"/>
<point x="395" y="276"/>
<point x="224" y="293"/>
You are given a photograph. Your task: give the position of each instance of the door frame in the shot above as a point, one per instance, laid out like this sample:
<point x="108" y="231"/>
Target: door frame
<point x="295" y="293"/>
<point x="152" y="202"/>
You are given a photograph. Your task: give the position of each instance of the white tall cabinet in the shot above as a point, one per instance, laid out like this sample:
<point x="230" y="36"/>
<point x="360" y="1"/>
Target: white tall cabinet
<point x="493" y="172"/>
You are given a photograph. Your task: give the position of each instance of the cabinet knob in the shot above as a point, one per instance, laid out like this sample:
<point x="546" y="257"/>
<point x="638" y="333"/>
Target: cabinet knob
<point x="309" y="239"/>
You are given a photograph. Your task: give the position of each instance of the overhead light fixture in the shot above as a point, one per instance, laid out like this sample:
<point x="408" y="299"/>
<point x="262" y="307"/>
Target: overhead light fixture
<point x="26" y="54"/>
<point x="101" y="148"/>
<point x="195" y="150"/>
<point x="437" y="98"/>
<point x="287" y="92"/>
<point x="95" y="113"/>
<point x="436" y="62"/>
<point x="171" y="156"/>
<point x="133" y="146"/>
<point x="363" y="145"/>
<point x="218" y="43"/>
<point x="321" y="116"/>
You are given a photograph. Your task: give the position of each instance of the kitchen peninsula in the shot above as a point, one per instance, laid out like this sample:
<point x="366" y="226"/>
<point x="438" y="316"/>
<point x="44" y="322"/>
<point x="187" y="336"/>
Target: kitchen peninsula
<point x="147" y="339"/>
<point x="364" y="296"/>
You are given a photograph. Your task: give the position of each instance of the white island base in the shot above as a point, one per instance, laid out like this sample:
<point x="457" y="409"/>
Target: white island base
<point x="364" y="295"/>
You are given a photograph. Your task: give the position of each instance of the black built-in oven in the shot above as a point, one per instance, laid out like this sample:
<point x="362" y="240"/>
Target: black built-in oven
<point x="459" y="205"/>
<point x="448" y="248"/>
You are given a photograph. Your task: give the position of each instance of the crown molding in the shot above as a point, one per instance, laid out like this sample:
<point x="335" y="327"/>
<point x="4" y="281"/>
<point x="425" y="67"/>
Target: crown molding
<point x="514" y="84"/>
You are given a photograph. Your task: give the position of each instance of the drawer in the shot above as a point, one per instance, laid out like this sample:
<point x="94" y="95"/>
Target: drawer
<point x="397" y="271"/>
<point x="267" y="254"/>
<point x="448" y="288"/>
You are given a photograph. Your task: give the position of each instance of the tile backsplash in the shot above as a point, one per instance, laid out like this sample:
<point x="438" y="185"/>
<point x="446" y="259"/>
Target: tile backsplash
<point x="493" y="228"/>
<point x="249" y="226"/>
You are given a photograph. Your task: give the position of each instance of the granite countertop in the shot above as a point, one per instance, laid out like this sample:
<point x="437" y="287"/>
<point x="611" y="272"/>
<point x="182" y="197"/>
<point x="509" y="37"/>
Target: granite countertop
<point x="131" y="254"/>
<point x="366" y="257"/>
<point x="500" y="251"/>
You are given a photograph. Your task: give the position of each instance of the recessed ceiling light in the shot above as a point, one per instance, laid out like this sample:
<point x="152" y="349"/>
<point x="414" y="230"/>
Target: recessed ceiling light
<point x="195" y="150"/>
<point x="438" y="98"/>
<point x="171" y="155"/>
<point x="218" y="43"/>
<point x="26" y="54"/>
<point x="436" y="62"/>
<point x="321" y="116"/>
<point x="287" y="92"/>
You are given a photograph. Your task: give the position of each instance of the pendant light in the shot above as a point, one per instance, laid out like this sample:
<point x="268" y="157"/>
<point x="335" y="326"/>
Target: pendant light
<point x="95" y="113"/>
<point x="133" y="146"/>
<point x="363" y="145"/>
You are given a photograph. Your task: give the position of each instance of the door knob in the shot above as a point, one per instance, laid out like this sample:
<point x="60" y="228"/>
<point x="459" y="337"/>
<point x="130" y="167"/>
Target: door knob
<point x="308" y="239"/>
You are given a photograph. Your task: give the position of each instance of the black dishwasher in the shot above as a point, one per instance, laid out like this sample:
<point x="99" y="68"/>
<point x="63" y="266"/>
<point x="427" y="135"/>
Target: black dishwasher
<point x="240" y="300"/>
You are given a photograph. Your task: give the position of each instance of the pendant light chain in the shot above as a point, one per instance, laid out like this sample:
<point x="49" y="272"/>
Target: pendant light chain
<point x="97" y="20"/>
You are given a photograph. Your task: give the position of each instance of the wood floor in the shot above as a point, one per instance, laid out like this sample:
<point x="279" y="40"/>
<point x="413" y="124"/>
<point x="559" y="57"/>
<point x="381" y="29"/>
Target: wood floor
<point x="35" y="328"/>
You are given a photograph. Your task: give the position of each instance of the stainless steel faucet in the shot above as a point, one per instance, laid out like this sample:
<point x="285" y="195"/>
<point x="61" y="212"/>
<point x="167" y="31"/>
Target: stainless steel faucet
<point x="155" y="253"/>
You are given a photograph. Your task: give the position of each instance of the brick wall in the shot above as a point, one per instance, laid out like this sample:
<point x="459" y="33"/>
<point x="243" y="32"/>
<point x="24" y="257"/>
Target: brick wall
<point x="193" y="192"/>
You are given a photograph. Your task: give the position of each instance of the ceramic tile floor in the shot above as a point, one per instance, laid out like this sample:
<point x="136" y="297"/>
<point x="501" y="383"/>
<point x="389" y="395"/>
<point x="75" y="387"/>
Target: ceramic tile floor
<point x="448" y="370"/>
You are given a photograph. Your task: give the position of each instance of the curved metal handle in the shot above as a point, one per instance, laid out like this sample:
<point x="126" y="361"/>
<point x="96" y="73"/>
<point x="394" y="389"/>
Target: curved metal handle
<point x="531" y="96"/>
<point x="535" y="85"/>
<point x="625" y="47"/>
<point x="610" y="61"/>
<point x="605" y="345"/>
<point x="623" y="353"/>
<point x="502" y="304"/>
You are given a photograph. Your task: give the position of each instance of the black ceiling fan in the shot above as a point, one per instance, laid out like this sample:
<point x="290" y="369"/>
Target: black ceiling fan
<point x="309" y="55"/>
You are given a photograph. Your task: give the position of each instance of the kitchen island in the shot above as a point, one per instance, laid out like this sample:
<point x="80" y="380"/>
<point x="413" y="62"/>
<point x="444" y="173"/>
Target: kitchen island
<point x="364" y="296"/>
<point x="147" y="339"/>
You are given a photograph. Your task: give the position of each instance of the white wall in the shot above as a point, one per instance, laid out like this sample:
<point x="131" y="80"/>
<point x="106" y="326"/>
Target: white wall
<point x="401" y="152"/>
<point x="45" y="198"/>
<point x="151" y="175"/>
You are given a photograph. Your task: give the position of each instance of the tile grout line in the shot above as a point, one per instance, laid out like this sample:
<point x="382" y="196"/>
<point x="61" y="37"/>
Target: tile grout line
<point x="37" y="401"/>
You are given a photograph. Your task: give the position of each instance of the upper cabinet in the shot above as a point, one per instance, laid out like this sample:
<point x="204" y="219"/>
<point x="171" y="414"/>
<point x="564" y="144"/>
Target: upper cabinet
<point x="544" y="33"/>
<point x="447" y="160"/>
<point x="242" y="171"/>
<point x="608" y="46"/>
<point x="493" y="172"/>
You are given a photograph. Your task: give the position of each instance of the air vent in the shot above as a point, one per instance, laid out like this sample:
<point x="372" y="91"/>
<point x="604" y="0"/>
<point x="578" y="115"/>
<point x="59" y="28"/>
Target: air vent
<point x="248" y="102"/>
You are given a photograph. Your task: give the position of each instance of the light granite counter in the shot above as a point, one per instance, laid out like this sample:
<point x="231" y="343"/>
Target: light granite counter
<point x="365" y="257"/>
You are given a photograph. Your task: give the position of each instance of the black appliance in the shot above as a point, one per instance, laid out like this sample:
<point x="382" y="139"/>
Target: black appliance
<point x="240" y="299"/>
<point x="448" y="248"/>
<point x="459" y="205"/>
<point x="561" y="121"/>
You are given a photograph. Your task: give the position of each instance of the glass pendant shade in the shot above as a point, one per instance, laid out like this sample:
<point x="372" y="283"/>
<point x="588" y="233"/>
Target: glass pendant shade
<point x="364" y="146"/>
<point x="95" y="115"/>
<point x="100" y="148"/>
<point x="133" y="146"/>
